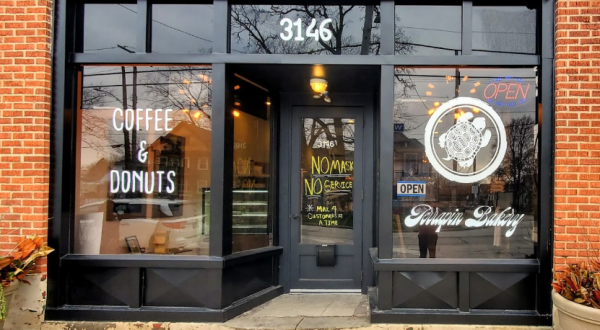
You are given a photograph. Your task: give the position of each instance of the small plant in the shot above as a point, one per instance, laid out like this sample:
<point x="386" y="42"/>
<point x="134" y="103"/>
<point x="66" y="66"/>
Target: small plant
<point x="19" y="263"/>
<point x="580" y="283"/>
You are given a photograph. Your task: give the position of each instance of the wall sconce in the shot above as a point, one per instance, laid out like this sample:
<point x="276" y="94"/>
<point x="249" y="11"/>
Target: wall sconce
<point x="318" y="85"/>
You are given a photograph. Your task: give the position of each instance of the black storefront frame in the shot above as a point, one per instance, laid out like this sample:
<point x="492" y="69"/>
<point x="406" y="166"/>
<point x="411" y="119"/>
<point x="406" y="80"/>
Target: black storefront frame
<point x="66" y="58"/>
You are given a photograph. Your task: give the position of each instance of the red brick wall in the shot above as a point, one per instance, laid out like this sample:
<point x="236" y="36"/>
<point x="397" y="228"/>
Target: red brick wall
<point x="577" y="174"/>
<point x="25" y="67"/>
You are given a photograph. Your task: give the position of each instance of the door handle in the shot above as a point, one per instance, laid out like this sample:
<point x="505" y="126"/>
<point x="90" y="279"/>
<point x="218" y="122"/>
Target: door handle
<point x="295" y="216"/>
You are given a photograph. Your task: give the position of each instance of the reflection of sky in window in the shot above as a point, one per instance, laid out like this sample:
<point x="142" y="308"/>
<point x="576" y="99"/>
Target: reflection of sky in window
<point x="438" y="26"/>
<point x="347" y="129"/>
<point x="412" y="109"/>
<point x="504" y="29"/>
<point x="108" y="25"/>
<point x="98" y="112"/>
<point x="182" y="29"/>
<point x="432" y="85"/>
<point x="270" y="29"/>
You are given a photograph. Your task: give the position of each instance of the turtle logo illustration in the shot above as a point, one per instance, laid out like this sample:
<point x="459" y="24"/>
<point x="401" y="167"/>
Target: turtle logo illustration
<point x="464" y="140"/>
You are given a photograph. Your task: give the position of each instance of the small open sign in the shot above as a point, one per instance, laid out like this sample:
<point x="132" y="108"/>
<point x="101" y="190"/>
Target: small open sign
<point x="411" y="189"/>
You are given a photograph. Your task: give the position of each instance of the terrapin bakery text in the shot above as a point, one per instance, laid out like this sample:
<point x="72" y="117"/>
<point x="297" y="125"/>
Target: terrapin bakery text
<point x="483" y="216"/>
<point x="141" y="181"/>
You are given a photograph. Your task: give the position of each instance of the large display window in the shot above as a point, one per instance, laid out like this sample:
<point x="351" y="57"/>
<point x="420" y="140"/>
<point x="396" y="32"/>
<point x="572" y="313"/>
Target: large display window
<point x="144" y="142"/>
<point x="465" y="163"/>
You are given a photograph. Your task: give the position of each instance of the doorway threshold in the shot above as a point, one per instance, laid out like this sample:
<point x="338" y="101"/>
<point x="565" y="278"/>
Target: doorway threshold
<point x="307" y="311"/>
<point x="324" y="291"/>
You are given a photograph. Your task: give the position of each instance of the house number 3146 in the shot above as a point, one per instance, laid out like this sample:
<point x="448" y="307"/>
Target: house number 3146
<point x="322" y="32"/>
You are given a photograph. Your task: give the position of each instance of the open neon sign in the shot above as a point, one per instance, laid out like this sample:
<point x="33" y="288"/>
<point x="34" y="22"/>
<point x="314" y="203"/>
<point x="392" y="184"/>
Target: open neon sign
<point x="506" y="91"/>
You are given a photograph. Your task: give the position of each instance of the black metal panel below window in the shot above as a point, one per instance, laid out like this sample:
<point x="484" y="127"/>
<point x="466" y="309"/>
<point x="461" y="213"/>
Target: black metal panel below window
<point x="104" y="286"/>
<point x="243" y="280"/>
<point x="506" y="291"/>
<point x="432" y="290"/>
<point x="182" y="287"/>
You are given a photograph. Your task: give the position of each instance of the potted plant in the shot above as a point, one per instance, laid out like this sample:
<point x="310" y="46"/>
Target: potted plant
<point x="16" y="265"/>
<point x="576" y="296"/>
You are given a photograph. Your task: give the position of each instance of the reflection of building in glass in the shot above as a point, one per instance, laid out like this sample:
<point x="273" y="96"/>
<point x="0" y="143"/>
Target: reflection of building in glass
<point x="409" y="157"/>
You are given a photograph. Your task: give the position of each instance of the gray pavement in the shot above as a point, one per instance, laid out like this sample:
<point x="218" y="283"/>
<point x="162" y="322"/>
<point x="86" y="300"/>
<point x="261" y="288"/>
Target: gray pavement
<point x="287" y="312"/>
<point x="306" y="311"/>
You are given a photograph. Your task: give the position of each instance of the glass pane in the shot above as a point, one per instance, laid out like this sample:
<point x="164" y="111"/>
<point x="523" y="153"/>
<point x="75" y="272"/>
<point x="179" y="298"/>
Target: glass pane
<point x="327" y="175"/>
<point x="504" y="30"/>
<point x="182" y="29"/>
<point x="109" y="28"/>
<point x="143" y="174"/>
<point x="428" y="30"/>
<point x="251" y="168"/>
<point x="273" y="29"/>
<point x="465" y="163"/>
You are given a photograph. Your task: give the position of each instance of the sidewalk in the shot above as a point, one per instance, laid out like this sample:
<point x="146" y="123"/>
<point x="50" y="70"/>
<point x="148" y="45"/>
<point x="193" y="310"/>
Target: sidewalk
<point x="217" y="326"/>
<point x="288" y="312"/>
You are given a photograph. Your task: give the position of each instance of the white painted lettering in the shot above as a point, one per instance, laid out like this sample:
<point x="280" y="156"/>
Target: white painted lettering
<point x="114" y="119"/>
<point x="171" y="187"/>
<point x="157" y="120"/>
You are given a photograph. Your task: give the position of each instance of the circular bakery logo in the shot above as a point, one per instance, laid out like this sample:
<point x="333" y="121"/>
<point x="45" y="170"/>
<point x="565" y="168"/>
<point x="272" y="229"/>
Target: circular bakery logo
<point x="465" y="140"/>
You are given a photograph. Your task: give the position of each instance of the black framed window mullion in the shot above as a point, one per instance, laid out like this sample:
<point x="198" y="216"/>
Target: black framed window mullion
<point x="221" y="27"/>
<point x="467" y="28"/>
<point x="388" y="26"/>
<point x="143" y="26"/>
<point x="221" y="178"/>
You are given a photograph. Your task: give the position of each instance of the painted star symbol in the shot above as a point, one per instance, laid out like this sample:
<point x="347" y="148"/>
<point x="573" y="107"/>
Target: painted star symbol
<point x="309" y="208"/>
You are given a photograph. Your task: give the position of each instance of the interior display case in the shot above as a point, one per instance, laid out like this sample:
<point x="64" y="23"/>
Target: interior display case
<point x="249" y="208"/>
<point x="250" y="205"/>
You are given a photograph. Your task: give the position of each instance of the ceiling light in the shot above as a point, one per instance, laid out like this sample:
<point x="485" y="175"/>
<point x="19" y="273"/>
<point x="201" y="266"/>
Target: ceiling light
<point x="236" y="113"/>
<point x="318" y="85"/>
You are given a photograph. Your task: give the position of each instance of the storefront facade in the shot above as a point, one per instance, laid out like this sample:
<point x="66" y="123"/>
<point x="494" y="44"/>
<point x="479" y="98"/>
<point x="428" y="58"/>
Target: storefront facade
<point x="208" y="157"/>
<point x="217" y="155"/>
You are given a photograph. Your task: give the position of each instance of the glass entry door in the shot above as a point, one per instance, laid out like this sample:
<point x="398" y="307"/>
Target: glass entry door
<point x="326" y="194"/>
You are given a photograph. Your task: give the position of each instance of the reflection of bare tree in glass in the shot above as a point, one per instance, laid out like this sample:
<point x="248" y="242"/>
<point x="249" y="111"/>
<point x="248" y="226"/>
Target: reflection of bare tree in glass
<point x="187" y="91"/>
<point x="94" y="127"/>
<point x="258" y="22"/>
<point x="519" y="163"/>
<point x="326" y="130"/>
<point x="403" y="84"/>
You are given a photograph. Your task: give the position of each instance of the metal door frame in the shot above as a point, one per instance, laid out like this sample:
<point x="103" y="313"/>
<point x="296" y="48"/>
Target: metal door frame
<point x="367" y="102"/>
